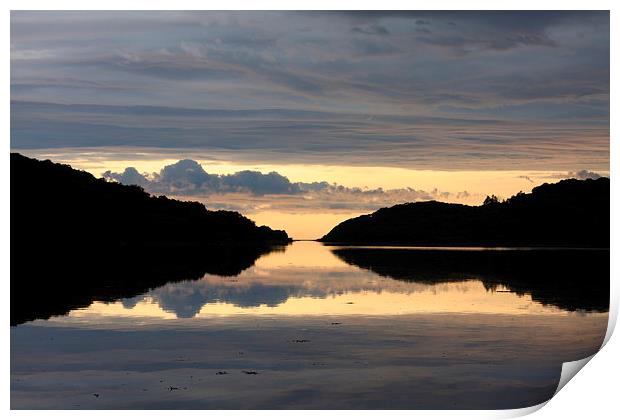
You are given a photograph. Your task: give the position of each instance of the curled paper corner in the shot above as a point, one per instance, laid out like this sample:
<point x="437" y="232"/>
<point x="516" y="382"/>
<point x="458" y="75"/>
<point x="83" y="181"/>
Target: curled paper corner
<point x="612" y="316"/>
<point x="570" y="369"/>
<point x="521" y="412"/>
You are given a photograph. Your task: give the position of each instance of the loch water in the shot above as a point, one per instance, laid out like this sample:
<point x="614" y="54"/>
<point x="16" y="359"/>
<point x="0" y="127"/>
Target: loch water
<point x="311" y="326"/>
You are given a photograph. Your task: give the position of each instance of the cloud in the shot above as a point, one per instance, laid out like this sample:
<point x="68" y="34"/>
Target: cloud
<point x="469" y="141"/>
<point x="266" y="287"/>
<point x="584" y="174"/>
<point x="581" y="174"/>
<point x="130" y="176"/>
<point x="242" y="191"/>
<point x="406" y="88"/>
<point x="259" y="183"/>
<point x="478" y="42"/>
<point x="371" y="30"/>
<point x="185" y="174"/>
<point x="289" y="59"/>
<point x="187" y="177"/>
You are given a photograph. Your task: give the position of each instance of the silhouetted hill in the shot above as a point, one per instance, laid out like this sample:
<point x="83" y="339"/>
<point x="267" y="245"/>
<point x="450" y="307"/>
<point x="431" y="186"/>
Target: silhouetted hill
<point x="57" y="203"/>
<point x="570" y="213"/>
<point x="571" y="279"/>
<point x="75" y="239"/>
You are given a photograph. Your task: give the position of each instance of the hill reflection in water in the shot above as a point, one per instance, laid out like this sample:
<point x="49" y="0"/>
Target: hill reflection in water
<point x="55" y="288"/>
<point x="312" y="279"/>
<point x="570" y="279"/>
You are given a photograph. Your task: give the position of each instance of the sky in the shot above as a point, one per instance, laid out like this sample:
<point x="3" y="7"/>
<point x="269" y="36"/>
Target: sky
<point x="303" y="119"/>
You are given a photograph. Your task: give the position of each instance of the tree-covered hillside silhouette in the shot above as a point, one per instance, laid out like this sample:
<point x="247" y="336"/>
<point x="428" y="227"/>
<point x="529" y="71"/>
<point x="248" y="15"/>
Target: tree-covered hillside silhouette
<point x="570" y="213"/>
<point x="54" y="199"/>
<point x="76" y="238"/>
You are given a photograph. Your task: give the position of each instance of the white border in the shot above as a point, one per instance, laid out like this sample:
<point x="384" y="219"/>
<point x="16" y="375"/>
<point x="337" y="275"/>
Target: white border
<point x="592" y="394"/>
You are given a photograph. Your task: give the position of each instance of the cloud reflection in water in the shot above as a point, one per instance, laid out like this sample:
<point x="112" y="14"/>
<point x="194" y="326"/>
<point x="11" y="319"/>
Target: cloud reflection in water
<point x="308" y="279"/>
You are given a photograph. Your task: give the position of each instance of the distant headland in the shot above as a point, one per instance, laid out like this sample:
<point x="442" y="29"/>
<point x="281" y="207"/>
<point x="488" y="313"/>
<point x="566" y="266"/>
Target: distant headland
<point x="570" y="213"/>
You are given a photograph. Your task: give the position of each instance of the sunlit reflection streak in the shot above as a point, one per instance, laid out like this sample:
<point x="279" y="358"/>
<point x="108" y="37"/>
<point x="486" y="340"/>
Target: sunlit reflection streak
<point x="307" y="279"/>
<point x="458" y="297"/>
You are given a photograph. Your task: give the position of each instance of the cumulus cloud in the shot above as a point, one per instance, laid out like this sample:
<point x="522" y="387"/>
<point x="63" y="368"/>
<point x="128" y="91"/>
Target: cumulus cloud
<point x="186" y="174"/>
<point x="259" y="183"/>
<point x="130" y="176"/>
<point x="581" y="174"/>
<point x="584" y="174"/>
<point x="187" y="178"/>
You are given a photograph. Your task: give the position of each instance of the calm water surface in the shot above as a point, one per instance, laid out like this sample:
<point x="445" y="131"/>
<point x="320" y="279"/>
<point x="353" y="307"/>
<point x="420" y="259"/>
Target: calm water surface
<point x="318" y="327"/>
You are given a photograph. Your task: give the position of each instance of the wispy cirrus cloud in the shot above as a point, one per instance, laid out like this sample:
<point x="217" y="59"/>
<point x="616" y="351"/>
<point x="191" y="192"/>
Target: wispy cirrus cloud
<point x="477" y="89"/>
<point x="314" y="136"/>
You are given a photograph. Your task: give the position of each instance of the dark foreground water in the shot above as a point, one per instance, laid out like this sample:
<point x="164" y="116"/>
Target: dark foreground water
<point x="317" y="327"/>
